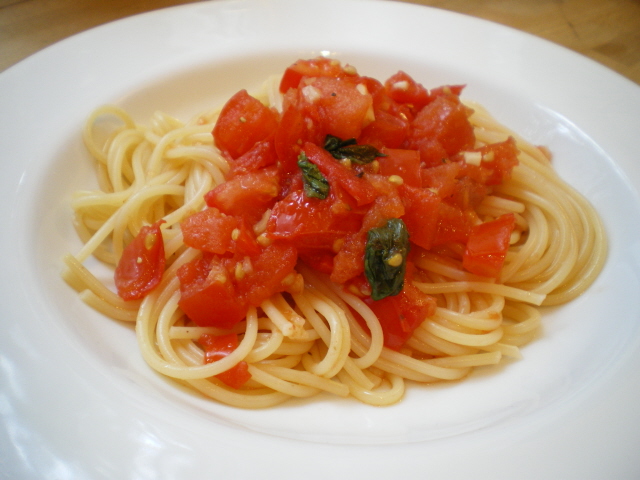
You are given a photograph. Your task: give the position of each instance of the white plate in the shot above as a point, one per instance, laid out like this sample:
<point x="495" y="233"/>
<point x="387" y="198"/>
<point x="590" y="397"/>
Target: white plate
<point x="77" y="401"/>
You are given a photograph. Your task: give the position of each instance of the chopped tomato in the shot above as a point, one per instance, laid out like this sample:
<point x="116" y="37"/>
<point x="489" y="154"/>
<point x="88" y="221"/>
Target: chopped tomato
<point x="141" y="265"/>
<point x="401" y="162"/>
<point x="454" y="224"/>
<point x="442" y="129"/>
<point x="217" y="347"/>
<point x="209" y="230"/>
<point x="487" y="246"/>
<point x="247" y="195"/>
<point x="264" y="273"/>
<point x="316" y="67"/>
<point x="441" y="178"/>
<point x="311" y="222"/>
<point x="401" y="314"/>
<point x="294" y="130"/>
<point x="349" y="261"/>
<point x="212" y="231"/>
<point x="404" y="89"/>
<point x="321" y="260"/>
<point x="338" y="173"/>
<point x="341" y="106"/>
<point x="446" y="90"/>
<point x="422" y="136"/>
<point x="499" y="159"/>
<point x="421" y="214"/>
<point x="243" y="121"/>
<point x="386" y="130"/>
<point x="232" y="284"/>
<point x="208" y="295"/>
<point x="262" y="154"/>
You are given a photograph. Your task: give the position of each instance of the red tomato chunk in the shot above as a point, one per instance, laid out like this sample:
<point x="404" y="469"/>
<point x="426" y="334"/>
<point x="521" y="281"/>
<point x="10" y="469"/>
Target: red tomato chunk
<point x="142" y="263"/>
<point x="394" y="150"/>
<point x="217" y="347"/>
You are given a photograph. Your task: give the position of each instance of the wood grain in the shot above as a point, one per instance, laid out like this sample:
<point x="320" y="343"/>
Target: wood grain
<point x="607" y="31"/>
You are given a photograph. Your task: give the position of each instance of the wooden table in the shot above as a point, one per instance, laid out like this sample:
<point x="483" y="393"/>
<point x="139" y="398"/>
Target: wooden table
<point x="607" y="31"/>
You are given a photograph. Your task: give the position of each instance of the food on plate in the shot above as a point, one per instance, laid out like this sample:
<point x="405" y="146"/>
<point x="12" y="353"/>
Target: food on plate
<point x="332" y="233"/>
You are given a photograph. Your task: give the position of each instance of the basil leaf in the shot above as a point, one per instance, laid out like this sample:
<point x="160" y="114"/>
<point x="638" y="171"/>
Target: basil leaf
<point x="348" y="149"/>
<point x="385" y="258"/>
<point x="315" y="184"/>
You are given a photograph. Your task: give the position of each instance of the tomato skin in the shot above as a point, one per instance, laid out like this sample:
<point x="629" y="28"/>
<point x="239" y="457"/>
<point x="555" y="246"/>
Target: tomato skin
<point x="243" y="121"/>
<point x="142" y="263"/>
<point x="217" y="347"/>
<point x="247" y="195"/>
<point x="488" y="245"/>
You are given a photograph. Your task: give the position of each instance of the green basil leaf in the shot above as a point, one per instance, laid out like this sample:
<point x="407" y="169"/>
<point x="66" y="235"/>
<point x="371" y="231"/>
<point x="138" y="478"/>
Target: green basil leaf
<point x="385" y="258"/>
<point x="315" y="184"/>
<point x="348" y="149"/>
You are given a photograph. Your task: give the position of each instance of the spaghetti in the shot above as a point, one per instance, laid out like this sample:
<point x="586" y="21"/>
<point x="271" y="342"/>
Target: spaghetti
<point x="315" y="335"/>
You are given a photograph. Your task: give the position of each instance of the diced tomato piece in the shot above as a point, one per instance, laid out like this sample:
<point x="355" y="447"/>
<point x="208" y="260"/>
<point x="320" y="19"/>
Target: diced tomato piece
<point x="142" y="263"/>
<point x="442" y="128"/>
<point x="311" y="222"/>
<point x="404" y="163"/>
<point x="421" y="214"/>
<point x="247" y="195"/>
<point x="262" y="154"/>
<point x="387" y="130"/>
<point x="441" y="178"/>
<point x="445" y="90"/>
<point x="337" y="173"/>
<point x="316" y="67"/>
<point x="208" y="295"/>
<point x="343" y="107"/>
<point x="383" y="208"/>
<point x="487" y="246"/>
<point x="401" y="314"/>
<point x="499" y="158"/>
<point x="243" y="121"/>
<point x="349" y="261"/>
<point x="209" y="230"/>
<point x="318" y="259"/>
<point x="217" y="291"/>
<point x="294" y="130"/>
<point x="468" y="193"/>
<point x="217" y="347"/>
<point x="404" y="89"/>
<point x="243" y="239"/>
<point x="454" y="224"/>
<point x="268" y="270"/>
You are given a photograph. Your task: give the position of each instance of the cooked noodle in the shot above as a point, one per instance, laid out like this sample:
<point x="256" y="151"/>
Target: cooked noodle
<point x="308" y="342"/>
